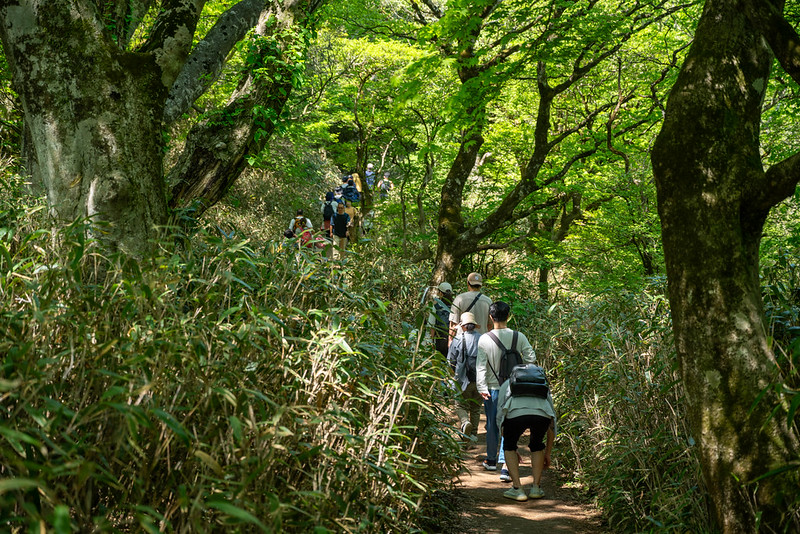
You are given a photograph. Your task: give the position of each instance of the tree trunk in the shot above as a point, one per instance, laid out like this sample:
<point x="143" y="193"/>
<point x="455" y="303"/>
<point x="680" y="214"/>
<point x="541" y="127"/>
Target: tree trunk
<point x="216" y="150"/>
<point x="94" y="114"/>
<point x="451" y="248"/>
<point x="713" y="198"/>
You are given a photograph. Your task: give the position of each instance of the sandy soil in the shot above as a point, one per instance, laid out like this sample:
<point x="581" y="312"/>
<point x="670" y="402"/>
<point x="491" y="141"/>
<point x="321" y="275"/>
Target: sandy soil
<point x="485" y="510"/>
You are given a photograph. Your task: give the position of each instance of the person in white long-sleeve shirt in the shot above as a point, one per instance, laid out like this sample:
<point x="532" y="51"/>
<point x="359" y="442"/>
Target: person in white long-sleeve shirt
<point x="487" y="382"/>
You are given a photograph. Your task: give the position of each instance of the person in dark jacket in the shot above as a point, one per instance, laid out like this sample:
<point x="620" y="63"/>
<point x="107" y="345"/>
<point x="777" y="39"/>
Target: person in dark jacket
<point x="340" y="223"/>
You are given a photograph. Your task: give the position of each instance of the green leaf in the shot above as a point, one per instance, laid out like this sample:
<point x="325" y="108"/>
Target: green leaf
<point x="236" y="512"/>
<point x="13" y="484"/>
<point x="173" y="425"/>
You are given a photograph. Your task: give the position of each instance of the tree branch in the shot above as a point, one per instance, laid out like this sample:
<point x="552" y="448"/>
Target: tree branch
<point x="208" y="58"/>
<point x="781" y="180"/>
<point x="171" y="38"/>
<point x="768" y="20"/>
<point x="499" y="246"/>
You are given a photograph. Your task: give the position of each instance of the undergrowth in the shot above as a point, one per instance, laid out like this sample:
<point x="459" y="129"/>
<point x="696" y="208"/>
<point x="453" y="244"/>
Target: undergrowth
<point x="623" y="432"/>
<point x="214" y="387"/>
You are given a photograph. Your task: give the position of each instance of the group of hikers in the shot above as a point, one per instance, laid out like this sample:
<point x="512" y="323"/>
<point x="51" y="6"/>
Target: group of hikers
<point x="495" y="366"/>
<point x="339" y="214"/>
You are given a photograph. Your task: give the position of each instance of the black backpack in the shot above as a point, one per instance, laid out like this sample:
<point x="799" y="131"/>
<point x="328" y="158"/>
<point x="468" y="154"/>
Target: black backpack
<point x="442" y="318"/>
<point x="509" y="359"/>
<point x="328" y="210"/>
<point x="470" y="361"/>
<point x="528" y="380"/>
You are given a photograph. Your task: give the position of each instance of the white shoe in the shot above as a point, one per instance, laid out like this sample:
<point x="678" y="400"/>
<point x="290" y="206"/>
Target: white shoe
<point x="466" y="428"/>
<point x="536" y="492"/>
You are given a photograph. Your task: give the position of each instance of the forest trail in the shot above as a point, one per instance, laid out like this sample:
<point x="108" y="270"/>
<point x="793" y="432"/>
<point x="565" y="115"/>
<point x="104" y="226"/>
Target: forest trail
<point x="483" y="509"/>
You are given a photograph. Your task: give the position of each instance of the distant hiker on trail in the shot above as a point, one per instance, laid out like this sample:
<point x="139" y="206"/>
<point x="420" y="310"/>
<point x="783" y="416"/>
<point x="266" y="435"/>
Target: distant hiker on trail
<point x="385" y="185"/>
<point x="439" y="318"/>
<point x="350" y="191"/>
<point x="350" y="210"/>
<point x="463" y="356"/>
<point x="474" y="301"/>
<point x="489" y="370"/>
<point x="328" y="211"/>
<point x="369" y="175"/>
<point x="515" y="415"/>
<point x="341" y="231"/>
<point x="301" y="227"/>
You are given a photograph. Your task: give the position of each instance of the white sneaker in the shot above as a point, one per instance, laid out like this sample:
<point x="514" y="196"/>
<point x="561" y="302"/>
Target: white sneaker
<point x="536" y="492"/>
<point x="517" y="494"/>
<point x="466" y="428"/>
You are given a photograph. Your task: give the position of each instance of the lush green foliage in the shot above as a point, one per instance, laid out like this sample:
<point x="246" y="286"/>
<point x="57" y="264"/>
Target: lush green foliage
<point x="623" y="429"/>
<point x="218" y="386"/>
<point x="236" y="382"/>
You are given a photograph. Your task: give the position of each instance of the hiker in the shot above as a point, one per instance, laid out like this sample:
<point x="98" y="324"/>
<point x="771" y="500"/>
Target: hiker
<point x="337" y="195"/>
<point x="515" y="415"/>
<point x="385" y="185"/>
<point x="340" y="224"/>
<point x="472" y="300"/>
<point x="350" y="210"/>
<point x="369" y="175"/>
<point x="301" y="227"/>
<point x="487" y="374"/>
<point x="439" y="318"/>
<point x="328" y="211"/>
<point x="350" y="191"/>
<point x="462" y="355"/>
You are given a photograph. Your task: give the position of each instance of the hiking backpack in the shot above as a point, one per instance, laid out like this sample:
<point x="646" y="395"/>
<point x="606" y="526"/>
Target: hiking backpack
<point x="470" y="361"/>
<point x="328" y="210"/>
<point x="528" y="380"/>
<point x="510" y="358"/>
<point x="351" y="193"/>
<point x="442" y="314"/>
<point x="299" y="224"/>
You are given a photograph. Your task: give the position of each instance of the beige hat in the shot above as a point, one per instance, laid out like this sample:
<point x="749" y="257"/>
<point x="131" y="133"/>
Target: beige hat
<point x="444" y="287"/>
<point x="475" y="279"/>
<point x="467" y="318"/>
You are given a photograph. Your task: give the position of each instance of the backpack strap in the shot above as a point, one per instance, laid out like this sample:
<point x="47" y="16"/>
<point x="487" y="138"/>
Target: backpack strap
<point x="502" y="347"/>
<point x="473" y="302"/>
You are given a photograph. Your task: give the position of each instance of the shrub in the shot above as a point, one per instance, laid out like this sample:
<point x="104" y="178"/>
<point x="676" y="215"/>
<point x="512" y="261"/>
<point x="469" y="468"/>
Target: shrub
<point x="212" y="387"/>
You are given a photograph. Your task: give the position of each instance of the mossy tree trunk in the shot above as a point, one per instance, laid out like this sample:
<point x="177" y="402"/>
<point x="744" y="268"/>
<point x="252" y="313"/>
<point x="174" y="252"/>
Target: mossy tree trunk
<point x="217" y="149"/>
<point x="713" y="199"/>
<point x="94" y="114"/>
<point x="97" y="110"/>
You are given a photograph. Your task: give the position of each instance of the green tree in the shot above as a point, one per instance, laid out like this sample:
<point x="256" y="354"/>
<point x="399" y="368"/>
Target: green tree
<point x="714" y="196"/>
<point x="560" y="54"/>
<point x="99" y="82"/>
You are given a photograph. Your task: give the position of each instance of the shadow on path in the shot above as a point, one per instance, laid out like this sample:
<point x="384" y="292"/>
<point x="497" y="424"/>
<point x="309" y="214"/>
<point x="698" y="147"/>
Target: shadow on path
<point x="485" y="510"/>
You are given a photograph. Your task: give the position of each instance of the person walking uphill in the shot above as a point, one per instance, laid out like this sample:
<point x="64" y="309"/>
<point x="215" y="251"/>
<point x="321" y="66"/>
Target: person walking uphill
<point x="439" y="319"/>
<point x="462" y="356"/>
<point x="340" y="225"/>
<point x="488" y="370"/>
<point x="472" y="300"/>
<point x="301" y="227"/>
<point x="515" y="415"/>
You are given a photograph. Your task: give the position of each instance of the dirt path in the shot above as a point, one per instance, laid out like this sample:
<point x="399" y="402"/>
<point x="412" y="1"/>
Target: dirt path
<point x="485" y="510"/>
